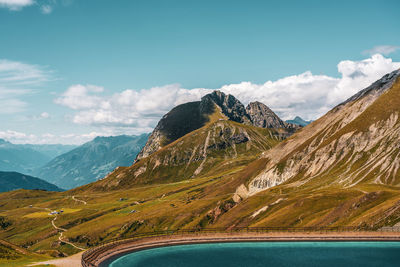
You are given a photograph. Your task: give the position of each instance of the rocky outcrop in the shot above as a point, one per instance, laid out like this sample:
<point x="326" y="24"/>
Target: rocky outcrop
<point x="230" y="106"/>
<point x="179" y="121"/>
<point x="263" y="116"/>
<point x="188" y="117"/>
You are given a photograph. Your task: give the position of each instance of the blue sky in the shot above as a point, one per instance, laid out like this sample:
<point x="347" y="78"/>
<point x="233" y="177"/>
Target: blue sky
<point x="126" y="63"/>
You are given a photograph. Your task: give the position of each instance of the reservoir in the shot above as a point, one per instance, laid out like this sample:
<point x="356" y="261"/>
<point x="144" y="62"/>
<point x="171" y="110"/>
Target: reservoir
<point x="266" y="254"/>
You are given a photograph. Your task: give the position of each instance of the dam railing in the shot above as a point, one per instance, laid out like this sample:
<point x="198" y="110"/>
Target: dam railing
<point x="91" y="254"/>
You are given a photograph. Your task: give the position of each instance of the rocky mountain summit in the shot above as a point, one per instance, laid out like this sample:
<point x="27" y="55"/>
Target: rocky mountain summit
<point x="229" y="105"/>
<point x="188" y="117"/>
<point x="262" y="116"/>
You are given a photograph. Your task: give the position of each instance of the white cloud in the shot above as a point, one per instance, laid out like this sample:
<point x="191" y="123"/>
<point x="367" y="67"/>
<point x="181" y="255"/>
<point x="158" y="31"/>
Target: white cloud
<point x="80" y="97"/>
<point x="45" y="115"/>
<point x="19" y="73"/>
<point x="18" y="79"/>
<point x="382" y="49"/>
<point x="16" y="137"/>
<point x="16" y="5"/>
<point x="46" y="9"/>
<point x="45" y="6"/>
<point x="306" y="95"/>
<point x="357" y="75"/>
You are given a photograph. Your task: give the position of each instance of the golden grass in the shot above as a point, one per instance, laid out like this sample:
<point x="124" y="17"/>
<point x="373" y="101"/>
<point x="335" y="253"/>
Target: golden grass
<point x="46" y="214"/>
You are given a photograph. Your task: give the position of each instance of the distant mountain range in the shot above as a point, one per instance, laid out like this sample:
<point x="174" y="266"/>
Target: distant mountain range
<point x="299" y="121"/>
<point x="92" y="160"/>
<point x="27" y="158"/>
<point x="13" y="180"/>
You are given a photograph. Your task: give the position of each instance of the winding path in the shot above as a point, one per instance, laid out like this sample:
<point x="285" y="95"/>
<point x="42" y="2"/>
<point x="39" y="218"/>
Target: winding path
<point x="78" y="200"/>
<point x="61" y="234"/>
<point x="62" y="230"/>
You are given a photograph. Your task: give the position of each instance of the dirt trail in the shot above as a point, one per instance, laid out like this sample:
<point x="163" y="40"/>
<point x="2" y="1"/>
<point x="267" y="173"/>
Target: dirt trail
<point x="62" y="230"/>
<point x="78" y="200"/>
<point x="61" y="234"/>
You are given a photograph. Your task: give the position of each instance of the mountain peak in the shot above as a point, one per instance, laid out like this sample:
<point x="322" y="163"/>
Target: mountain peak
<point x="190" y="116"/>
<point x="262" y="116"/>
<point x="299" y="121"/>
<point x="230" y="106"/>
<point x="378" y="87"/>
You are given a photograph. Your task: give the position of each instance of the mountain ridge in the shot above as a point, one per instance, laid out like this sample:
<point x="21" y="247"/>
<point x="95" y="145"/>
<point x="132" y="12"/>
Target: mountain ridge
<point x="299" y="121"/>
<point x="336" y="139"/>
<point x="170" y="129"/>
<point x="27" y="158"/>
<point x="13" y="180"/>
<point x="196" y="153"/>
<point x="92" y="160"/>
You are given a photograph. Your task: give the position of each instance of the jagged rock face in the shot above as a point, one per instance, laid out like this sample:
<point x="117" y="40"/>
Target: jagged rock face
<point x="188" y="117"/>
<point x="230" y="106"/>
<point x="179" y="121"/>
<point x="263" y="116"/>
<point x="356" y="142"/>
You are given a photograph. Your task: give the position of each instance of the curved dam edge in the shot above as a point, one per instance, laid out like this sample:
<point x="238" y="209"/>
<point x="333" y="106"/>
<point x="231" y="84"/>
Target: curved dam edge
<point x="106" y="254"/>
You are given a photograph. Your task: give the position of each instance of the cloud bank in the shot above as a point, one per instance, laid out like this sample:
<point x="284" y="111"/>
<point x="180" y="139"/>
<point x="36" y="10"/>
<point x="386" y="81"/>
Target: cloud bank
<point x="16" y="5"/>
<point x="45" y="6"/>
<point x="138" y="111"/>
<point x="306" y="94"/>
<point x="16" y="137"/>
<point x="18" y="79"/>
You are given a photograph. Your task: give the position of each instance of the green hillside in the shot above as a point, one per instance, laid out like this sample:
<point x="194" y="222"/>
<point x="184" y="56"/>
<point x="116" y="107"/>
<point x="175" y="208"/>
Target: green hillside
<point x="13" y="180"/>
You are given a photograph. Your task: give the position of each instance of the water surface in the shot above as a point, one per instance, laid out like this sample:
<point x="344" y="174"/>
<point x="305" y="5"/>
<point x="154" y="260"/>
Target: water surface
<point x="267" y="254"/>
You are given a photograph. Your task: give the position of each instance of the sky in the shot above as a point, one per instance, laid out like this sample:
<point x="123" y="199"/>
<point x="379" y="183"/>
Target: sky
<point x="71" y="70"/>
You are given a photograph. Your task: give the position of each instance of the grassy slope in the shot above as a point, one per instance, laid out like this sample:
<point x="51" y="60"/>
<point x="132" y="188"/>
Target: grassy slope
<point x="12" y="255"/>
<point x="189" y="204"/>
<point x="180" y="159"/>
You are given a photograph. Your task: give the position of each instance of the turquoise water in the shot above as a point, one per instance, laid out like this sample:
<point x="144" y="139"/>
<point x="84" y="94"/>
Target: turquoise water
<point x="267" y="254"/>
